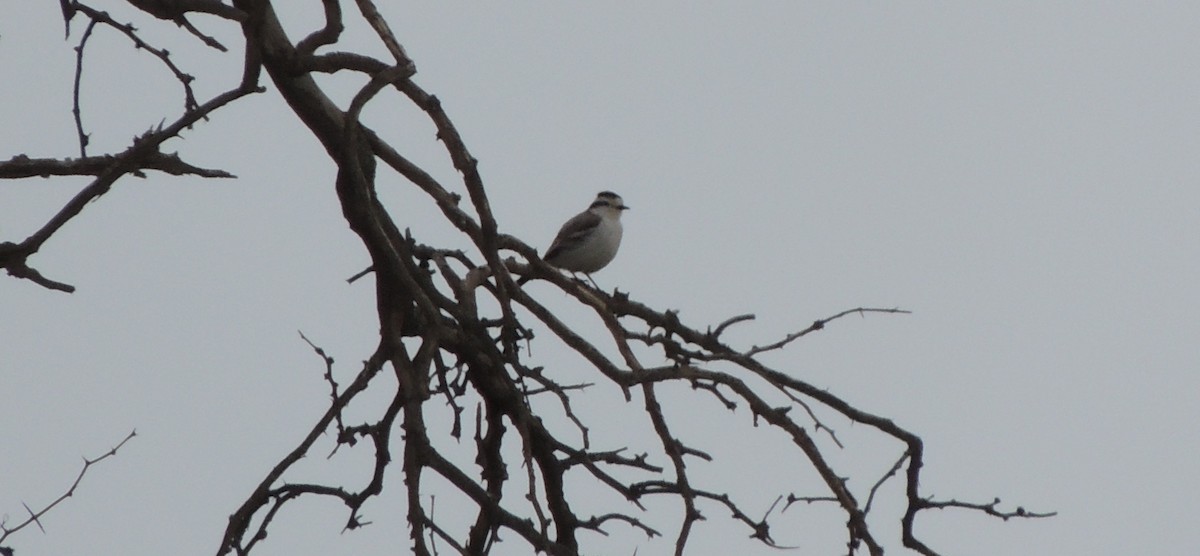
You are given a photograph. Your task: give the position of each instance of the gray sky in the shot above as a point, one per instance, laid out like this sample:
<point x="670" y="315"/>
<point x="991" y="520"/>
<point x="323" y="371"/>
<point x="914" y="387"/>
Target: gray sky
<point x="1023" y="177"/>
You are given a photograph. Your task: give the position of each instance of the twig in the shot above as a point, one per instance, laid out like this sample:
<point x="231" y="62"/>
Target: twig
<point x="97" y="16"/>
<point x="875" y="488"/>
<point x="716" y="333"/>
<point x="83" y="137"/>
<point x="21" y="166"/>
<point x="991" y="508"/>
<point x="36" y="516"/>
<point x="819" y="325"/>
<point x="128" y="161"/>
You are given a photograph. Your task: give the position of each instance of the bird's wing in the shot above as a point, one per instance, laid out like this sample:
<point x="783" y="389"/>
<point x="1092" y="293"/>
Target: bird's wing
<point x="572" y="232"/>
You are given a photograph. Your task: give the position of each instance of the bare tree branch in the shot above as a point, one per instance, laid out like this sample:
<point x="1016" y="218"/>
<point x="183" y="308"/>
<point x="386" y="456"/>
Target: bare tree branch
<point x="456" y="328"/>
<point x="35" y="516"/>
<point x="21" y="166"/>
<point x="143" y="154"/>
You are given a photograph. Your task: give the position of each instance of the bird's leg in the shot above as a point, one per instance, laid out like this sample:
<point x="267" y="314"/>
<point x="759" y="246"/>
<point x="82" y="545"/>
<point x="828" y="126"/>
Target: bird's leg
<point x="594" y="284"/>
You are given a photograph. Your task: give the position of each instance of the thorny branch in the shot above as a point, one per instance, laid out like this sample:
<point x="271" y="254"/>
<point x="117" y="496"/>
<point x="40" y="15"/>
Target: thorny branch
<point x="24" y="167"/>
<point x="143" y="154"/>
<point x="35" y="516"/>
<point x="456" y="331"/>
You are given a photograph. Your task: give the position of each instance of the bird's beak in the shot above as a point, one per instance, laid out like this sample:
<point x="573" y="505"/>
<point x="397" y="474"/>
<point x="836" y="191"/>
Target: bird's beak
<point x="622" y="207"/>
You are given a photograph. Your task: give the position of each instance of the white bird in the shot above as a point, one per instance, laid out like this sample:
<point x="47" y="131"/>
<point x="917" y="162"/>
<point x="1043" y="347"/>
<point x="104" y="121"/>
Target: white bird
<point x="589" y="240"/>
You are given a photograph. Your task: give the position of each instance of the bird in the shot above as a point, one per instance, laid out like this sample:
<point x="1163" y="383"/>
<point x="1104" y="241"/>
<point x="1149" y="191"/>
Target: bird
<point x="589" y="240"/>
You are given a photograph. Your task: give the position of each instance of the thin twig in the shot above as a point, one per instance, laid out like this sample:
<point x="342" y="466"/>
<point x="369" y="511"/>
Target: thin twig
<point x="75" y="110"/>
<point x="36" y="516"/>
<point x="819" y="325"/>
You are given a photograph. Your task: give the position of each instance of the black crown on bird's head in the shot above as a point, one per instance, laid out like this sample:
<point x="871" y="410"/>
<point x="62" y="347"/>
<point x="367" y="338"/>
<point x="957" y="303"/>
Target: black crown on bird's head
<point x="609" y="199"/>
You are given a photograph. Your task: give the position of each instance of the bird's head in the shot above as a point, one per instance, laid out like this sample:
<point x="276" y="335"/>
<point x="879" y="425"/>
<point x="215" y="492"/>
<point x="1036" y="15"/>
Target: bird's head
<point x="608" y="203"/>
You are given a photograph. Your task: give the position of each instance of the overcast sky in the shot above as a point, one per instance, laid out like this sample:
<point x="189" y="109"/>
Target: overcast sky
<point x="1023" y="176"/>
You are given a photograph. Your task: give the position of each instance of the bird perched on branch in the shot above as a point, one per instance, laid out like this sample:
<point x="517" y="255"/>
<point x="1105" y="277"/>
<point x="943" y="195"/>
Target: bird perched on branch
<point x="589" y="240"/>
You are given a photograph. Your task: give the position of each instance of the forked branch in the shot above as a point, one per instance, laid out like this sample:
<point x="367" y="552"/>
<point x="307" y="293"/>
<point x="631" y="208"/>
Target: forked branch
<point x="455" y="337"/>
